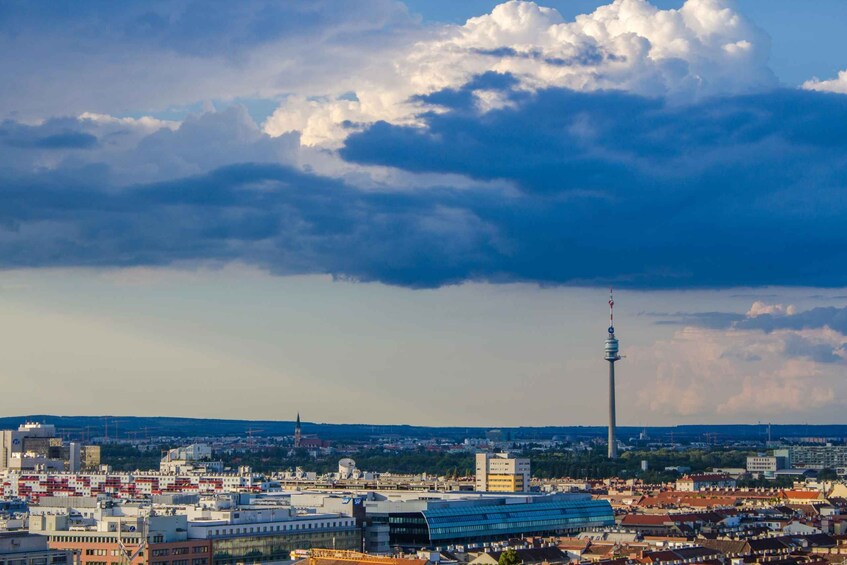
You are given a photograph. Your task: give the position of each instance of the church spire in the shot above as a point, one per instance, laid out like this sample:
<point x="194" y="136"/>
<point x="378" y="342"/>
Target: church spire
<point x="297" y="432"/>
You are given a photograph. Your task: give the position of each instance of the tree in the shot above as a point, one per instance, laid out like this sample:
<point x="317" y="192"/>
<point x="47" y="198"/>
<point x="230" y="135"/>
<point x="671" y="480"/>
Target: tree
<point x="509" y="557"/>
<point x="827" y="475"/>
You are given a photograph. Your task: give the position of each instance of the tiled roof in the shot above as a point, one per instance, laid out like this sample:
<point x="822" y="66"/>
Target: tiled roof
<point x="725" y="546"/>
<point x="801" y="494"/>
<point x="536" y="555"/>
<point x="645" y="520"/>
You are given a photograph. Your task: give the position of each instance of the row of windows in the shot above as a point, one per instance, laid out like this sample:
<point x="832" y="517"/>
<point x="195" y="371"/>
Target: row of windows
<point x="282" y="528"/>
<point x="248" y="550"/>
<point x="55" y="560"/>
<point x="516" y="527"/>
<point x="97" y="539"/>
<point x="507" y="517"/>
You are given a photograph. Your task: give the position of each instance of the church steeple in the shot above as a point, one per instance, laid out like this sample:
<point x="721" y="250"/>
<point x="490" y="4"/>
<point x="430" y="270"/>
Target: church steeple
<point x="297" y="432"/>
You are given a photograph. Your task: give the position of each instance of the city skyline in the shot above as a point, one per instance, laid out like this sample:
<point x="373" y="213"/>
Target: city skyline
<point x="411" y="212"/>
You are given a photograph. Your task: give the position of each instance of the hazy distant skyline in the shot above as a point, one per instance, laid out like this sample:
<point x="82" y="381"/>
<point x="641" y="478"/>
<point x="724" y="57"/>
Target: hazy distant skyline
<point x="242" y="344"/>
<point x="385" y="212"/>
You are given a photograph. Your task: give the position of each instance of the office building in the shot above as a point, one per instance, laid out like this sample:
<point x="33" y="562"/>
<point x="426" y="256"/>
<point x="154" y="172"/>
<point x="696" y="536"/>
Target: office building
<point x="267" y="535"/>
<point x="501" y="472"/>
<point x="90" y="458"/>
<point x="765" y="466"/>
<point x="115" y="538"/>
<point x="34" y="446"/>
<point x="217" y="530"/>
<point x="442" y="519"/>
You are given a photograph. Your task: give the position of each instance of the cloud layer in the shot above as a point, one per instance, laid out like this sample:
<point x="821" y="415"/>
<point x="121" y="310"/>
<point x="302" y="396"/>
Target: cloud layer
<point x="755" y="366"/>
<point x="632" y="146"/>
<point x="131" y="57"/>
<point x="703" y="49"/>
<point x="599" y="187"/>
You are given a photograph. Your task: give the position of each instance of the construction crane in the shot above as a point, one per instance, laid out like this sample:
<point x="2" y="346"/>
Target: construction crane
<point x="250" y="433"/>
<point x="115" y="422"/>
<point x="69" y="433"/>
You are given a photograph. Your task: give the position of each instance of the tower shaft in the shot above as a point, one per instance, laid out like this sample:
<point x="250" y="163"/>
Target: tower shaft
<point x="613" y="444"/>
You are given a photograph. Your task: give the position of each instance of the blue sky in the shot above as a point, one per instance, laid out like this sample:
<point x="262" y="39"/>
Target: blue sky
<point x="451" y="177"/>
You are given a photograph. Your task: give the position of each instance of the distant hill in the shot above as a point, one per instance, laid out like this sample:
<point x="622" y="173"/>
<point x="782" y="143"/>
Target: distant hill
<point x="124" y="426"/>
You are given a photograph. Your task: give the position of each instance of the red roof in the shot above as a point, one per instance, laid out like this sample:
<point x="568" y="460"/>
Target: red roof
<point x="645" y="520"/>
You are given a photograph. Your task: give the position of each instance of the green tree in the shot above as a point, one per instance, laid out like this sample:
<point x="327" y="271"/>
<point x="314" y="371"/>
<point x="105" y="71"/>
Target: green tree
<point x="509" y="557"/>
<point x="827" y="475"/>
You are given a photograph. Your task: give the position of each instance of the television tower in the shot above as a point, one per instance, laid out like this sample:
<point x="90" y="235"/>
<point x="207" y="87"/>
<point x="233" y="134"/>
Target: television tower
<point x="612" y="356"/>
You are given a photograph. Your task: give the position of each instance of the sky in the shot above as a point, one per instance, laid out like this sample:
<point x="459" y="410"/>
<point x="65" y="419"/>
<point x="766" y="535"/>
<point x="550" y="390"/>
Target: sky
<point x="378" y="211"/>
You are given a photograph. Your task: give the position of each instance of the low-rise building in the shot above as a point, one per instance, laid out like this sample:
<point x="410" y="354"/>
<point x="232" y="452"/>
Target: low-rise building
<point x="694" y="483"/>
<point x="120" y="539"/>
<point x="23" y="548"/>
<point x="765" y="465"/>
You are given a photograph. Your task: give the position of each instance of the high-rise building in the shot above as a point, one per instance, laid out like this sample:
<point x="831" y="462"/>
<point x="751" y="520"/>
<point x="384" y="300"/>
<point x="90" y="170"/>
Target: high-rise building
<point x="501" y="472"/>
<point x="90" y="457"/>
<point x="611" y="356"/>
<point x="35" y="446"/>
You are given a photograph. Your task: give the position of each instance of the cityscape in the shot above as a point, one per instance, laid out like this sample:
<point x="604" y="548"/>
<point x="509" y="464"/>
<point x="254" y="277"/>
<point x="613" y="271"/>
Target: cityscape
<point x="423" y="282"/>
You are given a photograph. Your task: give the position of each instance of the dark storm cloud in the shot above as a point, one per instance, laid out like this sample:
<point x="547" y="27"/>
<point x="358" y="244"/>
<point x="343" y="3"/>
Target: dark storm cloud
<point x="269" y="215"/>
<point x="609" y="188"/>
<point x="54" y="134"/>
<point x="613" y="187"/>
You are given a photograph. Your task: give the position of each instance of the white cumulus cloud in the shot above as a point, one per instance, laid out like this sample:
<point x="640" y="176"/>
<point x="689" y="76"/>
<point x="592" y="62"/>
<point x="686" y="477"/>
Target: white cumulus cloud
<point x="704" y="48"/>
<point x="760" y="308"/>
<point x="745" y="374"/>
<point x="837" y="85"/>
